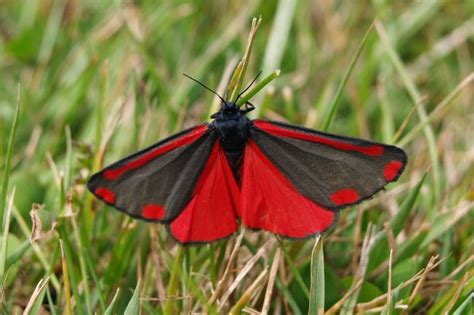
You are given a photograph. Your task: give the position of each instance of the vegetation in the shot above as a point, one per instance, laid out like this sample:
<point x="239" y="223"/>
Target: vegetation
<point x="83" y="83"/>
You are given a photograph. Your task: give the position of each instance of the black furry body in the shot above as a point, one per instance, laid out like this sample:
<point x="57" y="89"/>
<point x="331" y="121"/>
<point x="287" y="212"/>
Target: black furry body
<point x="233" y="129"/>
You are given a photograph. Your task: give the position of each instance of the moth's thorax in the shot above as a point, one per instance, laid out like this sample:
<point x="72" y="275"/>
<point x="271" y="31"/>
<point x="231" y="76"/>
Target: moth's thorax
<point x="232" y="126"/>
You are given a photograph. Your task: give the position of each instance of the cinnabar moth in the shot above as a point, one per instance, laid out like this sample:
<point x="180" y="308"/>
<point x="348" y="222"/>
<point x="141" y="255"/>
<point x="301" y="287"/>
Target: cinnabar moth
<point x="285" y="179"/>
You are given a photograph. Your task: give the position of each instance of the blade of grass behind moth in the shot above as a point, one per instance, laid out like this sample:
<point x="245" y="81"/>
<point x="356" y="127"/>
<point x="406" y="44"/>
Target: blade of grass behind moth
<point x="387" y="125"/>
<point x="432" y="264"/>
<point x="389" y="305"/>
<point x="36" y="249"/>
<point x="18" y="252"/>
<point x="133" y="307"/>
<point x="446" y="301"/>
<point x="316" y="295"/>
<point x="97" y="157"/>
<point x="67" y="290"/>
<point x="73" y="275"/>
<point x="370" y="240"/>
<point x="243" y="272"/>
<point x="446" y="221"/>
<point x="464" y="306"/>
<point x="283" y="289"/>
<point x="51" y="33"/>
<point x="398" y="221"/>
<point x="111" y="308"/>
<point x="331" y="110"/>
<point x="67" y="170"/>
<point x="416" y="97"/>
<point x="230" y="261"/>
<point x="198" y="293"/>
<point x="245" y="60"/>
<point x="51" y="304"/>
<point x="6" y="228"/>
<point x="98" y="285"/>
<point x="222" y="85"/>
<point x="100" y="119"/>
<point x="440" y="109"/>
<point x="200" y="64"/>
<point x="296" y="273"/>
<point x="231" y="87"/>
<point x="279" y="35"/>
<point x="245" y="98"/>
<point x="172" y="286"/>
<point x="36" y="299"/>
<point x="277" y="41"/>
<point x="82" y="263"/>
<point x="271" y="281"/>
<point x="247" y="295"/>
<point x="8" y="159"/>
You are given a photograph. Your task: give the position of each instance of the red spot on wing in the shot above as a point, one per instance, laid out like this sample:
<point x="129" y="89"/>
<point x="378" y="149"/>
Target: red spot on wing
<point x="391" y="169"/>
<point x="270" y="202"/>
<point x="153" y="211"/>
<point x="114" y="173"/>
<point x="345" y="196"/>
<point x="371" y="150"/>
<point x="212" y="212"/>
<point x="105" y="194"/>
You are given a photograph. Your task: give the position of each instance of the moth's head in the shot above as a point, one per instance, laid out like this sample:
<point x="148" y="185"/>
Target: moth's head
<point x="230" y="110"/>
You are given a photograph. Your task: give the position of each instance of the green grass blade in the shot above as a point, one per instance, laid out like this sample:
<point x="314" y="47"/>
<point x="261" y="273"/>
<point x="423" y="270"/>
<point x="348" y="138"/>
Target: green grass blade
<point x="18" y="253"/>
<point x="316" y="295"/>
<point x="67" y="286"/>
<point x="111" y="308"/>
<point x="259" y="86"/>
<point x="294" y="270"/>
<point x="98" y="285"/>
<point x="36" y="301"/>
<point x="133" y="307"/>
<point x="4" y="245"/>
<point x="329" y="117"/>
<point x="239" y="80"/>
<point x="445" y="222"/>
<point x="398" y="221"/>
<point x="70" y="271"/>
<point x="466" y="307"/>
<point x="279" y="35"/>
<point x="8" y="160"/>
<point x="416" y="98"/>
<point x="282" y="288"/>
<point x="175" y="275"/>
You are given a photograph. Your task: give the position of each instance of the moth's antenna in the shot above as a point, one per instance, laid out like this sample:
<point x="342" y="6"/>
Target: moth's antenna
<point x="248" y="86"/>
<point x="202" y="84"/>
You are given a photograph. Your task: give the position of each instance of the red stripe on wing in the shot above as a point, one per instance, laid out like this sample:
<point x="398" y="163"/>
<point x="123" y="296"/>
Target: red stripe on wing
<point x="212" y="212"/>
<point x="372" y="150"/>
<point x="270" y="202"/>
<point x="153" y="212"/>
<point x="105" y="194"/>
<point x="345" y="196"/>
<point x="391" y="170"/>
<point x="193" y="135"/>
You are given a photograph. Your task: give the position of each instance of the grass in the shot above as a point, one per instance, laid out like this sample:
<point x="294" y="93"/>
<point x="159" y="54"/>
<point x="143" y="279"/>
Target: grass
<point x="83" y="83"/>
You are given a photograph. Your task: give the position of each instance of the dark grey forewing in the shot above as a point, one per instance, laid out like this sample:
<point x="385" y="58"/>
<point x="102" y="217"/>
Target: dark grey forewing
<point x="320" y="172"/>
<point x="167" y="181"/>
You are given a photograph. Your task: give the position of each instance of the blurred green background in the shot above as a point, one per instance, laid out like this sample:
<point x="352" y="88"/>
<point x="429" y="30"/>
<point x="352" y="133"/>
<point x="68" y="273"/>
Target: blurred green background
<point x="97" y="80"/>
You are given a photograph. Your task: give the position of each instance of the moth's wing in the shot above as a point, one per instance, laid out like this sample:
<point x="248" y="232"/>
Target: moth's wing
<point x="212" y="212"/>
<point x="333" y="171"/>
<point x="158" y="182"/>
<point x="294" y="179"/>
<point x="269" y="201"/>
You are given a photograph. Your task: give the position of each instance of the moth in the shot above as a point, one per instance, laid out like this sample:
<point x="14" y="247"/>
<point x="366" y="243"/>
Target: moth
<point x="267" y="175"/>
